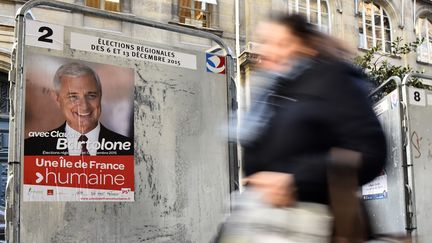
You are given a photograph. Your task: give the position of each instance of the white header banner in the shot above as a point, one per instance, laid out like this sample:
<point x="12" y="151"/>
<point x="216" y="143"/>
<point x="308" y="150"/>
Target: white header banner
<point x="124" y="49"/>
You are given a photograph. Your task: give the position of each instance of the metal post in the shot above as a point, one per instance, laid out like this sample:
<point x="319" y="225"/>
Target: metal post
<point x="232" y="109"/>
<point x="402" y="16"/>
<point x="17" y="115"/>
<point x="15" y="142"/>
<point x="411" y="216"/>
<point x="356" y="7"/>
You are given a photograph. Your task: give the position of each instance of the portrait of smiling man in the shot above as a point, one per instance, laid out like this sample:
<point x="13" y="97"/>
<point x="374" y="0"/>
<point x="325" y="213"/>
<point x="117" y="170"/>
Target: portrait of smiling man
<point x="78" y="94"/>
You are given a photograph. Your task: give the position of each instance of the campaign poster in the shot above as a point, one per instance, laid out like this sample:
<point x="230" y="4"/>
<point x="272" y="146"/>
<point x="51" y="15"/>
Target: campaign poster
<point x="78" y="133"/>
<point x="376" y="189"/>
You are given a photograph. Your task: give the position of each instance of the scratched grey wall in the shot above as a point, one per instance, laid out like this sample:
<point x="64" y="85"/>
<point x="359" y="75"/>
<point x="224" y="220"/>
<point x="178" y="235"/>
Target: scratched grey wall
<point x="181" y="162"/>
<point x="420" y="135"/>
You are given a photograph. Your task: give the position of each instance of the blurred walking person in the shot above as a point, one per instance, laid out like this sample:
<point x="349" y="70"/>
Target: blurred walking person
<point x="314" y="104"/>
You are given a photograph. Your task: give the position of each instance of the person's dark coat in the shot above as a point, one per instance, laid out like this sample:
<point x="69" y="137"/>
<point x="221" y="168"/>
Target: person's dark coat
<point x="323" y="107"/>
<point x="39" y="145"/>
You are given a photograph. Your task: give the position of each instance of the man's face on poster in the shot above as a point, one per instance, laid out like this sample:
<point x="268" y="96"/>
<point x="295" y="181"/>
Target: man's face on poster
<point x="79" y="99"/>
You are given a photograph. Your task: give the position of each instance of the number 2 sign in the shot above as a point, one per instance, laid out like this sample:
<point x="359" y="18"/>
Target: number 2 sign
<point x="44" y="35"/>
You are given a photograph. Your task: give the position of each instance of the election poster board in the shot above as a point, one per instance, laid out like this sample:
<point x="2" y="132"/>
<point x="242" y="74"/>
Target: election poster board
<point x="169" y="99"/>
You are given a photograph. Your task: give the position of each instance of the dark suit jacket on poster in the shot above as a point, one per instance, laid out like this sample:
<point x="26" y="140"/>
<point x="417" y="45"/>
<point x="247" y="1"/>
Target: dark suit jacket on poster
<point x="47" y="145"/>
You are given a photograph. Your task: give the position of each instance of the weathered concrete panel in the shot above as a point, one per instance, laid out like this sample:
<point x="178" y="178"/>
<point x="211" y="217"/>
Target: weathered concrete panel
<point x="387" y="213"/>
<point x="420" y="141"/>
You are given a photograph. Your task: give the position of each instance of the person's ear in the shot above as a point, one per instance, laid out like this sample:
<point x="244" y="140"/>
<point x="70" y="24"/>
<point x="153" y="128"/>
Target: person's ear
<point x="56" y="97"/>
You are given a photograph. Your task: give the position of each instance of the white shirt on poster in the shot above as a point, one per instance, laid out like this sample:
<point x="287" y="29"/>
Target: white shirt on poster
<point x="72" y="137"/>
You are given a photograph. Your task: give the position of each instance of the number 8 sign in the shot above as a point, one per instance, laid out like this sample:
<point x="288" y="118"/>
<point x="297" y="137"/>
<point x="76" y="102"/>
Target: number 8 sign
<point x="416" y="97"/>
<point x="44" y="35"/>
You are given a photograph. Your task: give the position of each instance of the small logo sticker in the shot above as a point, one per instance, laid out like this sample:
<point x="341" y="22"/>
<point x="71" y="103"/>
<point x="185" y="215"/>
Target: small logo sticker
<point x="50" y="192"/>
<point x="215" y="63"/>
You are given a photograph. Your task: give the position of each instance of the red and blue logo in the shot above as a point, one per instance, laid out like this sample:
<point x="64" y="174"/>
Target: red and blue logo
<point x="215" y="63"/>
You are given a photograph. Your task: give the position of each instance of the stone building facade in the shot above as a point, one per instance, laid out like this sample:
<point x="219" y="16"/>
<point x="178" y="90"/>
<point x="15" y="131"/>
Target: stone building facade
<point x="381" y="20"/>
<point x="361" y="24"/>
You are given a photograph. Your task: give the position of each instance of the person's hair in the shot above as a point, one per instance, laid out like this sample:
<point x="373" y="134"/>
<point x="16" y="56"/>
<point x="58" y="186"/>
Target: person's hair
<point x="75" y="69"/>
<point x="326" y="46"/>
